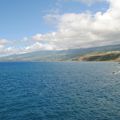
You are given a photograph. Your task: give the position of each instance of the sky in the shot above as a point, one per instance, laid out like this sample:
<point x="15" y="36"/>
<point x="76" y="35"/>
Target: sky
<point x="33" y="25"/>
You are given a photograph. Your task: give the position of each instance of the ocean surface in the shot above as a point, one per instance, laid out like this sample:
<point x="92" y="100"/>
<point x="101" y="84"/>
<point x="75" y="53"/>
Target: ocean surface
<point x="60" y="91"/>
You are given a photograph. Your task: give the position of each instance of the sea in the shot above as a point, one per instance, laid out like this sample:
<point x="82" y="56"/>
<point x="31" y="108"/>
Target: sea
<point x="59" y="91"/>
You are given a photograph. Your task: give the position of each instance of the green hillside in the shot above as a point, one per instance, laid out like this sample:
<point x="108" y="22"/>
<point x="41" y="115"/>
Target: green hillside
<point x="104" y="53"/>
<point x="102" y="56"/>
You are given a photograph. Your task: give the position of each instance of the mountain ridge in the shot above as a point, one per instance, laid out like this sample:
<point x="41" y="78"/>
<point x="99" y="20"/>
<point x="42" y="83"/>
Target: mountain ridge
<point x="60" y="55"/>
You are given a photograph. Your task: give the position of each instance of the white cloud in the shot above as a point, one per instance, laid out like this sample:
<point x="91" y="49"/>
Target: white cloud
<point x="8" y="47"/>
<point x="74" y="31"/>
<point x="3" y="42"/>
<point x="37" y="46"/>
<point x="85" y="29"/>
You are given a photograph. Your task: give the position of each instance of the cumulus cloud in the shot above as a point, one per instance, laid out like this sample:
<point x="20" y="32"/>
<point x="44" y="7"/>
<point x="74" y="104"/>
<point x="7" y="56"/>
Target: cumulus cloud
<point x="38" y="46"/>
<point x="3" y="43"/>
<point x="8" y="47"/>
<point x="75" y="31"/>
<point x="85" y="29"/>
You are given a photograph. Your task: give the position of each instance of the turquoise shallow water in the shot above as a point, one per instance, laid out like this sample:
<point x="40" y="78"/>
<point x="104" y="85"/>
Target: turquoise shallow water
<point x="59" y="91"/>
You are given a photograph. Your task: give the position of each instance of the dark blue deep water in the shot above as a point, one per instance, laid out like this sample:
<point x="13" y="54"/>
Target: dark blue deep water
<point x="59" y="91"/>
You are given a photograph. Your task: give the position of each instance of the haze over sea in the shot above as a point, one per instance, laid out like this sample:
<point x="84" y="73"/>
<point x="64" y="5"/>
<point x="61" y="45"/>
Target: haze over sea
<point x="59" y="91"/>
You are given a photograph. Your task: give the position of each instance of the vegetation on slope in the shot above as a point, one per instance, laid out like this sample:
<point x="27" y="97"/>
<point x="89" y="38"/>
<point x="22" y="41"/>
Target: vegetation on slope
<point x="86" y="54"/>
<point x="101" y="56"/>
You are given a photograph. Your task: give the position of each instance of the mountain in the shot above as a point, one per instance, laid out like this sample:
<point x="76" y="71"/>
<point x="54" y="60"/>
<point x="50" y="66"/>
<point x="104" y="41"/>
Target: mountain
<point x="60" y="55"/>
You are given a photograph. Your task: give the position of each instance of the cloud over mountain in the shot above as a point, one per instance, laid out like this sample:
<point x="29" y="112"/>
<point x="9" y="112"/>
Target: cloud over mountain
<point x="79" y="30"/>
<point x="85" y="29"/>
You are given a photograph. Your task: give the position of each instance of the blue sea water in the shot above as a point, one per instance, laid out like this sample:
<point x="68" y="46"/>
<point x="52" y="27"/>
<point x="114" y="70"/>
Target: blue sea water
<point x="59" y="91"/>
